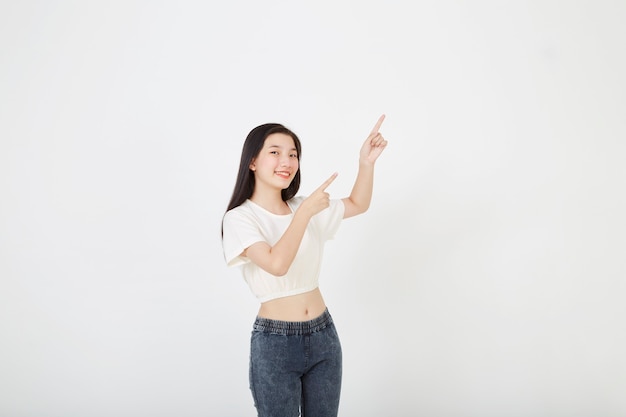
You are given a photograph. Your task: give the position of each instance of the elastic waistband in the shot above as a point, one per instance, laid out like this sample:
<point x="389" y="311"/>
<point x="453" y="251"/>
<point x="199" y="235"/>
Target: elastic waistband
<point x="293" y="328"/>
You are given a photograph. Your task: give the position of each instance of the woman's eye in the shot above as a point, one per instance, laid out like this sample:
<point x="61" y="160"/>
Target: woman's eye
<point x="274" y="152"/>
<point x="293" y="155"/>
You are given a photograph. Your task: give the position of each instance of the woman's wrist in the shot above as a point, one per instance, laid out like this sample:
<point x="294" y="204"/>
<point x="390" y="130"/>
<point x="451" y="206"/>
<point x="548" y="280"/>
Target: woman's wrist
<point x="364" y="163"/>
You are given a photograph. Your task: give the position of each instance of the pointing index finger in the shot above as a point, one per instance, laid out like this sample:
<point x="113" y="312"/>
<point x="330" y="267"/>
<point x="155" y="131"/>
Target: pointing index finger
<point x="378" y="124"/>
<point x="327" y="182"/>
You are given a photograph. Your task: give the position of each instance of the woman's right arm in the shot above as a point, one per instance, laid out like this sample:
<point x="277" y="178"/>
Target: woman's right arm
<point x="277" y="259"/>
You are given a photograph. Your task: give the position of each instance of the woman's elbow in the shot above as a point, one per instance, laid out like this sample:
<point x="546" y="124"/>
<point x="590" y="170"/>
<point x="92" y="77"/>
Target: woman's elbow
<point x="280" y="272"/>
<point x="278" y="269"/>
<point x="352" y="208"/>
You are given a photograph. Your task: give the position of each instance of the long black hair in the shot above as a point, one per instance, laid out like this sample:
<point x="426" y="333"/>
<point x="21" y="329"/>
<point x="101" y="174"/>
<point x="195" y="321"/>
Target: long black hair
<point x="244" y="186"/>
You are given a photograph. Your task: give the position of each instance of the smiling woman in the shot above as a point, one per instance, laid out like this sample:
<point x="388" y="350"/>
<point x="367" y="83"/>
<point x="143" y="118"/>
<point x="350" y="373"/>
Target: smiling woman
<point x="254" y="144"/>
<point x="278" y="240"/>
<point x="274" y="168"/>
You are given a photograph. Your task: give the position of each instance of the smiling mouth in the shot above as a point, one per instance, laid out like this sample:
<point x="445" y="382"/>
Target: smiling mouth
<point x="283" y="174"/>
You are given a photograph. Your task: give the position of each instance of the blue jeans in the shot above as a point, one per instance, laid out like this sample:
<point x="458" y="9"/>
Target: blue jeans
<point x="295" y="366"/>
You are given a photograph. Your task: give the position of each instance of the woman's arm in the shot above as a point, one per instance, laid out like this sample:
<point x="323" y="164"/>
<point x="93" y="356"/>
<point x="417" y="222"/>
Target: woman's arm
<point x="278" y="258"/>
<point x="359" y="200"/>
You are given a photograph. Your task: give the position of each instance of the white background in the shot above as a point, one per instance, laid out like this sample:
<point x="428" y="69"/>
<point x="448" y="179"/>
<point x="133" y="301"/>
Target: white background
<point x="486" y="280"/>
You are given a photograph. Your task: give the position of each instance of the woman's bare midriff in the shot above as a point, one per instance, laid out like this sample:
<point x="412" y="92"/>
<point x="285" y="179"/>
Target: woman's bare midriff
<point x="301" y="307"/>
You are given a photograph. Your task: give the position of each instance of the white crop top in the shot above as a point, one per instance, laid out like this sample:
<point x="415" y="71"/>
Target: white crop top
<point x="250" y="223"/>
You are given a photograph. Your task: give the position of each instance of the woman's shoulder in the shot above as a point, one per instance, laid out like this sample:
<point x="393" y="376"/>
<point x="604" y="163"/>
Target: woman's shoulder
<point x="242" y="210"/>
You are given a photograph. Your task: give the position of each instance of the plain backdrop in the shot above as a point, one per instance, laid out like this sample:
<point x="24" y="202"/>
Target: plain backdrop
<point x="487" y="279"/>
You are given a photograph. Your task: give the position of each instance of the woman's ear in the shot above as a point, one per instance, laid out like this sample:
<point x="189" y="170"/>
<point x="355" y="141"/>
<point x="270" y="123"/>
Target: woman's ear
<point x="252" y="165"/>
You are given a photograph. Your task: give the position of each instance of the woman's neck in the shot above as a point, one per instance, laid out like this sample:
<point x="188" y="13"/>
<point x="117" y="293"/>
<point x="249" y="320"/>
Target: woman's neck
<point x="271" y="202"/>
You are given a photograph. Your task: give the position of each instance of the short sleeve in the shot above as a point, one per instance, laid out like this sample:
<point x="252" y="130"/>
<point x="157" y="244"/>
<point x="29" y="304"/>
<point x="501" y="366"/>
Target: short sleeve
<point x="239" y="232"/>
<point x="329" y="219"/>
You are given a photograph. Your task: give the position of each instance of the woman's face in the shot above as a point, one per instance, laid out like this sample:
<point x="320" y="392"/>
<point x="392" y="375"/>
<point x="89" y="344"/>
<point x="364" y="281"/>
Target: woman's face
<point x="277" y="163"/>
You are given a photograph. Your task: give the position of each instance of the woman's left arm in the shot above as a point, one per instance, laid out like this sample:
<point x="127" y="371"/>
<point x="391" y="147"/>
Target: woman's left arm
<point x="359" y="200"/>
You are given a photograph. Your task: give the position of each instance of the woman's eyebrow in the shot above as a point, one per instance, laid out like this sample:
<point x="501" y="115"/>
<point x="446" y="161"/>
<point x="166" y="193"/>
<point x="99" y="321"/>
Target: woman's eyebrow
<point x="280" y="147"/>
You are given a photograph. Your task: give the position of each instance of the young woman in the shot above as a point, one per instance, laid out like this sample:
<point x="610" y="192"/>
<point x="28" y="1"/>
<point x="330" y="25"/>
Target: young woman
<point x="278" y="240"/>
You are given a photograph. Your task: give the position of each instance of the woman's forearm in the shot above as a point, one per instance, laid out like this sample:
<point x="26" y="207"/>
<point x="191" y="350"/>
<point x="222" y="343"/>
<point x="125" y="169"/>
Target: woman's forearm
<point x="277" y="259"/>
<point x="361" y="196"/>
<point x="284" y="251"/>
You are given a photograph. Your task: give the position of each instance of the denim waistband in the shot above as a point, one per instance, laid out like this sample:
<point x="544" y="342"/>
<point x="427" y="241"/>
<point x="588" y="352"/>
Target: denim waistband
<point x="293" y="328"/>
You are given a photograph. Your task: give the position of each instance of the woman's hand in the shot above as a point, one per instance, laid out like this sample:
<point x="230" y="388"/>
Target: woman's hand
<point x="318" y="200"/>
<point x="374" y="144"/>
